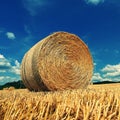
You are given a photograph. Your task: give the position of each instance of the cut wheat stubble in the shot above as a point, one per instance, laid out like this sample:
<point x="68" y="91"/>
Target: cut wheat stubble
<point x="59" y="61"/>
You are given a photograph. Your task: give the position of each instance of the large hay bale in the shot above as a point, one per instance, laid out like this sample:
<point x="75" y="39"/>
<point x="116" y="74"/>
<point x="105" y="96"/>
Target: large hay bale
<point x="59" y="61"/>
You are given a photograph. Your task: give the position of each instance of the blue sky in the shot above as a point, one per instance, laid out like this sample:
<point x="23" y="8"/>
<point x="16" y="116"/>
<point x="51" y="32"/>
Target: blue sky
<point x="25" y="22"/>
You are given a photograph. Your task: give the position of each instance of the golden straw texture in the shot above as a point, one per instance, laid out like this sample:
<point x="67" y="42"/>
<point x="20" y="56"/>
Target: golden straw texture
<point x="59" y="61"/>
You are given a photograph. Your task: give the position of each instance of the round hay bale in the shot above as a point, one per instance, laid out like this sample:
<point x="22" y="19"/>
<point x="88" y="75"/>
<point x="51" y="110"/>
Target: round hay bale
<point x="59" y="61"/>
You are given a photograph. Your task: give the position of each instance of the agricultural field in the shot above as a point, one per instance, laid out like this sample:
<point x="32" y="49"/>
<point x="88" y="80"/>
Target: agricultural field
<point x="97" y="102"/>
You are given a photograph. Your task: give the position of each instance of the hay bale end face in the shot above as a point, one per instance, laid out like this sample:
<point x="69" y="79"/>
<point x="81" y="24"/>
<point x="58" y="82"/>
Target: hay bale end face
<point x="59" y="61"/>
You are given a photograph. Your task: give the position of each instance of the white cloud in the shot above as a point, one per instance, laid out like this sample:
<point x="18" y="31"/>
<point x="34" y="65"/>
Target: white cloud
<point x="33" y="6"/>
<point x="10" y="35"/>
<point x="7" y="69"/>
<point x="113" y="74"/>
<point x="111" y="68"/>
<point x="1" y="78"/>
<point x="6" y="79"/>
<point x="2" y="71"/>
<point x="94" y="2"/>
<point x="108" y="73"/>
<point x="16" y="68"/>
<point x="17" y="63"/>
<point x="4" y="63"/>
<point x="1" y="56"/>
<point x="97" y="76"/>
<point x="94" y="64"/>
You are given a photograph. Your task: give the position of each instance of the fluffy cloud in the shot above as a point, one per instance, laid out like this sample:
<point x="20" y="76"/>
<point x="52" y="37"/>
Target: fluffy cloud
<point x="4" y="64"/>
<point x="9" y="72"/>
<point x="108" y="73"/>
<point x="10" y="35"/>
<point x="16" y="68"/>
<point x="94" y="2"/>
<point x="33" y="6"/>
<point x="113" y="74"/>
<point x="96" y="77"/>
<point x="6" y="79"/>
<point x="1" y="56"/>
<point x="111" y="70"/>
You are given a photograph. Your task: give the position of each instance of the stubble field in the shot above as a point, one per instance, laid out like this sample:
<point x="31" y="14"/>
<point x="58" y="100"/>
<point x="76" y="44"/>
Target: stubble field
<point x="97" y="102"/>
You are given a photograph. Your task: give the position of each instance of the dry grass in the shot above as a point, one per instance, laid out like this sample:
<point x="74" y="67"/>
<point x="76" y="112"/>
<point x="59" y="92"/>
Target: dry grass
<point x="59" y="61"/>
<point x="99" y="102"/>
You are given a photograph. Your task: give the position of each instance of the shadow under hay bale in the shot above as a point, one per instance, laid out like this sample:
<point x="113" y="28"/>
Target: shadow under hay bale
<point x="59" y="61"/>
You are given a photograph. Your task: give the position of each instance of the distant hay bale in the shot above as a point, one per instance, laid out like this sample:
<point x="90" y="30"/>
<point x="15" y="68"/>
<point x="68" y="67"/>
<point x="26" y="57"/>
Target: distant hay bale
<point x="59" y="61"/>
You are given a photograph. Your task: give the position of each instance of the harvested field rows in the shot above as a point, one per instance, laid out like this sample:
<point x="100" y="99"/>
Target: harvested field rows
<point x="98" y="102"/>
